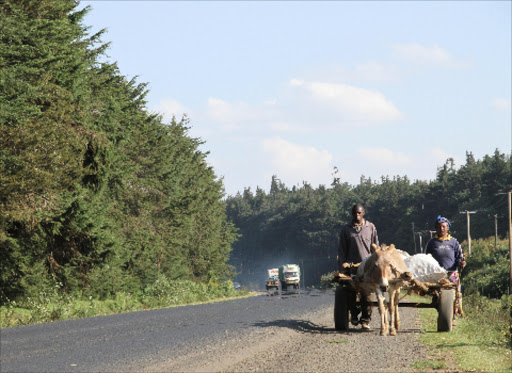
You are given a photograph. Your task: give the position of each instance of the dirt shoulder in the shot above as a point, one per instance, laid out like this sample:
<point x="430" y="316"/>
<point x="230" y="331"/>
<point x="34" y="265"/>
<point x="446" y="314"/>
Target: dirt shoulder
<point x="309" y="345"/>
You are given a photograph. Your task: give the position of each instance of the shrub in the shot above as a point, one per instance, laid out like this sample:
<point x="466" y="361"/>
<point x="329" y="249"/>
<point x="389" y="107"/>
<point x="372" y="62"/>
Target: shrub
<point x="506" y="305"/>
<point x="54" y="304"/>
<point x="488" y="269"/>
<point x="326" y="281"/>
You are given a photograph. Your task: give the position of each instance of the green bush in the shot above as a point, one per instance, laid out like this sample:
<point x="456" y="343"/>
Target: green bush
<point x="506" y="305"/>
<point x="488" y="269"/>
<point x="165" y="292"/>
<point x="326" y="281"/>
<point x="490" y="314"/>
<point x="55" y="304"/>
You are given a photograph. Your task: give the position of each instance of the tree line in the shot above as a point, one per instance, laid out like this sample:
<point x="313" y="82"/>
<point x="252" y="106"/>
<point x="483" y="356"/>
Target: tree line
<point x="301" y="224"/>
<point x="97" y="195"/>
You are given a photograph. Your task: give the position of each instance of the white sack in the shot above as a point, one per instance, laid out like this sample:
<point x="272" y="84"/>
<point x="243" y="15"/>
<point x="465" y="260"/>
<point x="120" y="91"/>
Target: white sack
<point x="425" y="268"/>
<point x="404" y="254"/>
<point x="360" y="269"/>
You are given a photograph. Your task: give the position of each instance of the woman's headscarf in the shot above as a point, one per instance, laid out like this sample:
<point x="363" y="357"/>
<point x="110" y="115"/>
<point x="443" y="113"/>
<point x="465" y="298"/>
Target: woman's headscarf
<point x="441" y="219"/>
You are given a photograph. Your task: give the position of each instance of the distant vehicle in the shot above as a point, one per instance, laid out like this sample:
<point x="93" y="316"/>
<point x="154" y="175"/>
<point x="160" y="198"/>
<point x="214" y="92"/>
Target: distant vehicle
<point x="272" y="284"/>
<point x="289" y="274"/>
<point x="237" y="286"/>
<point x="273" y="272"/>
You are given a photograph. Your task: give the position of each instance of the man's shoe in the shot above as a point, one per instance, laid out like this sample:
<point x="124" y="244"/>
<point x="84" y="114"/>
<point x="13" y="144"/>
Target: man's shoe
<point x="364" y="325"/>
<point x="354" y="321"/>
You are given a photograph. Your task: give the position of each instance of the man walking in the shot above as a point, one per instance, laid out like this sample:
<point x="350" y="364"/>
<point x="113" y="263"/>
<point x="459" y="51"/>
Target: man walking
<point x="355" y="243"/>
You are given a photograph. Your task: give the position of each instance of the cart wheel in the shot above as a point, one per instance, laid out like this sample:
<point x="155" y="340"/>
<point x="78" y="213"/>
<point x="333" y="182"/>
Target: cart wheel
<point x="445" y="310"/>
<point x="341" y="308"/>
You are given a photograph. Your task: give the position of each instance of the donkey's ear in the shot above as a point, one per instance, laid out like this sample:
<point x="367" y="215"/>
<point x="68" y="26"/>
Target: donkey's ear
<point x="374" y="247"/>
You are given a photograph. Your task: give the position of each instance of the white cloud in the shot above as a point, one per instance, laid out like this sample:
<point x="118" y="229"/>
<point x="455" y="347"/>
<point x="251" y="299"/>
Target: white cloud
<point x="434" y="55"/>
<point x="502" y="104"/>
<point x="391" y="162"/>
<point x="169" y="108"/>
<point x="284" y="127"/>
<point x="296" y="83"/>
<point x="294" y="163"/>
<point x="376" y="162"/>
<point x="270" y="102"/>
<point x="373" y="72"/>
<point x="366" y="72"/>
<point x="220" y="110"/>
<point x="302" y="107"/>
<point x="439" y="155"/>
<point x="353" y="103"/>
<point x="384" y="156"/>
<point x="231" y="116"/>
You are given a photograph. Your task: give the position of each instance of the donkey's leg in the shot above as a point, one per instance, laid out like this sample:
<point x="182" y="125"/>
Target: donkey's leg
<point x="383" y="314"/>
<point x="397" y="313"/>
<point x="393" y="310"/>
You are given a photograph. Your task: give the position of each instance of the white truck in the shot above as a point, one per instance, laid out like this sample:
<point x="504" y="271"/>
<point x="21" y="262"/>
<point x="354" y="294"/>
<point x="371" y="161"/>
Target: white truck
<point x="289" y="275"/>
<point x="273" y="272"/>
<point x="272" y="284"/>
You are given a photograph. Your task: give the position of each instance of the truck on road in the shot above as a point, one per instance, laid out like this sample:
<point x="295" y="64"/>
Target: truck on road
<point x="273" y="281"/>
<point x="289" y="275"/>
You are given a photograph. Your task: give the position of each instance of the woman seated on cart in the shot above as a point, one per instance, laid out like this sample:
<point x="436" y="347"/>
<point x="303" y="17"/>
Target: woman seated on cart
<point x="447" y="251"/>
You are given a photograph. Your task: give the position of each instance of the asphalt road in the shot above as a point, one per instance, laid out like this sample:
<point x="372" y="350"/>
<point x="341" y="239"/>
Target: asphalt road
<point x="132" y="341"/>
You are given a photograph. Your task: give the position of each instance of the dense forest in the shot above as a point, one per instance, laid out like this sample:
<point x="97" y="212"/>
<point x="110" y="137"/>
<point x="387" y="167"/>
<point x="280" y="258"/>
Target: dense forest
<point x="301" y="225"/>
<point x="97" y="195"/>
<point x="100" y="196"/>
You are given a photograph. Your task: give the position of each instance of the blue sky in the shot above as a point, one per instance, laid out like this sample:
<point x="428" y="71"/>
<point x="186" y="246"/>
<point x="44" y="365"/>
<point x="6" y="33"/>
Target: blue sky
<point x="295" y="89"/>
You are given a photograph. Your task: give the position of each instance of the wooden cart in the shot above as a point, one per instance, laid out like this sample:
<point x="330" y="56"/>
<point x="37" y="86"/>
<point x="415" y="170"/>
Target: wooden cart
<point x="442" y="293"/>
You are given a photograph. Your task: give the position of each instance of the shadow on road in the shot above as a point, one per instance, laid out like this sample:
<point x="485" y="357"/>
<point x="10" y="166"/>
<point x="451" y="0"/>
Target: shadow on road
<point x="310" y="327"/>
<point x="299" y="325"/>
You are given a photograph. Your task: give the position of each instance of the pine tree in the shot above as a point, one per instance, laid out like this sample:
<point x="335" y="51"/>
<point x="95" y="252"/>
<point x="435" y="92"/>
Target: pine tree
<point x="43" y="61"/>
<point x="97" y="194"/>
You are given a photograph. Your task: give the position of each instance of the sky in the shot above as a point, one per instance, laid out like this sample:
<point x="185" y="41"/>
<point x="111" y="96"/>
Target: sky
<point x="312" y="90"/>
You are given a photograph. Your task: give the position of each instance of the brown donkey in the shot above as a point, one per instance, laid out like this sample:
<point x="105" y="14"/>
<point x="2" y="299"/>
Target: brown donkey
<point x="385" y="271"/>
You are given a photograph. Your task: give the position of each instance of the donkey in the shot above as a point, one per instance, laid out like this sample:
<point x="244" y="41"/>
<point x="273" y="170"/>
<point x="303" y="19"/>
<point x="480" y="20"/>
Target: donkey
<point x="385" y="271"/>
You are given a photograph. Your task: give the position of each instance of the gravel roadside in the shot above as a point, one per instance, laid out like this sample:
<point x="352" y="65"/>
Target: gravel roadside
<point x="309" y="344"/>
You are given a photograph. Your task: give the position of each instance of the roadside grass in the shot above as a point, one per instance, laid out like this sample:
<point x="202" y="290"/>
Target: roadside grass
<point x="479" y="342"/>
<point x="54" y="305"/>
